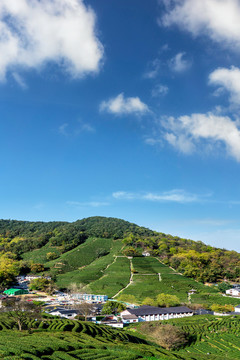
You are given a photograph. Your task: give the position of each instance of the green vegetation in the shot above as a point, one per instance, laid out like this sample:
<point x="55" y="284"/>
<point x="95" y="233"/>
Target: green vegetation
<point x="196" y="338"/>
<point x="114" y="279"/>
<point x="112" y="307"/>
<point x="153" y="278"/>
<point x="91" y="252"/>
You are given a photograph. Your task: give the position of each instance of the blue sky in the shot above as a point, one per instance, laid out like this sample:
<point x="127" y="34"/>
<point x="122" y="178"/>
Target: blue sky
<point x="127" y="109"/>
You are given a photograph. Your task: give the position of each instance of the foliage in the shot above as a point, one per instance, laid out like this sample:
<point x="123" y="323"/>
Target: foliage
<point x="149" y="301"/>
<point x="131" y="251"/>
<point x="36" y="267"/>
<point x="42" y="284"/>
<point x="223" y="286"/>
<point x="167" y="300"/>
<point x="221" y="308"/>
<point x="20" y="311"/>
<point x="112" y="307"/>
<point x="9" y="269"/>
<point x="51" y="256"/>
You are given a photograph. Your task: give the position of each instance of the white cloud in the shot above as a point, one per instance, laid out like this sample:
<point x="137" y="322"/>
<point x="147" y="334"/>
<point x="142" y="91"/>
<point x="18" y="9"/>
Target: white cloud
<point x="209" y="127"/>
<point x="34" y="33"/>
<point x="228" y="79"/>
<point x="76" y="129"/>
<point x="218" y="19"/>
<point x="87" y="204"/>
<point x="160" y="90"/>
<point x="121" y="105"/>
<point x="19" y="80"/>
<point x="152" y="69"/>
<point x="178" y="63"/>
<point x="176" y="195"/>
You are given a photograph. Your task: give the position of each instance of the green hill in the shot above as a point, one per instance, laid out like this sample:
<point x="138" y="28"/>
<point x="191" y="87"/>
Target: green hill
<point x="95" y="252"/>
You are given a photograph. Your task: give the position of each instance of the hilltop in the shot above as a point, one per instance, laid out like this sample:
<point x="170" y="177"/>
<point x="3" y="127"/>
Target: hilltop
<point x="95" y="252"/>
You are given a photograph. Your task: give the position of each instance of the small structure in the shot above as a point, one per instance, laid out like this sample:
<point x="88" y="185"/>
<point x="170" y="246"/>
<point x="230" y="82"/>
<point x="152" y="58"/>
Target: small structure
<point x="152" y="313"/>
<point x="113" y="321"/>
<point x="90" y="297"/>
<point x="237" y="309"/>
<point x="192" y="291"/>
<point x="146" y="253"/>
<point x="14" y="292"/>
<point x="64" y="313"/>
<point x="233" y="292"/>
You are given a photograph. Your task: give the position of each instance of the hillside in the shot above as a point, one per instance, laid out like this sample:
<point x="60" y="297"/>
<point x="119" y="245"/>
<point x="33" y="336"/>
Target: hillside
<point x="56" y="339"/>
<point x="95" y="252"/>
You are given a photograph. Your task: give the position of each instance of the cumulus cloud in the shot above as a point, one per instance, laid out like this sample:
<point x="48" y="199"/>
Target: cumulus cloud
<point x="227" y="79"/>
<point x="218" y="19"/>
<point x="178" y="63"/>
<point x="176" y="195"/>
<point x="34" y="33"/>
<point x="121" y="105"/>
<point x="185" y="132"/>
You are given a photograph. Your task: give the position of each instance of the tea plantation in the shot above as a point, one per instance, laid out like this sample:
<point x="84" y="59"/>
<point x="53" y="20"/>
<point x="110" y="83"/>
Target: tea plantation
<point x="71" y="339"/>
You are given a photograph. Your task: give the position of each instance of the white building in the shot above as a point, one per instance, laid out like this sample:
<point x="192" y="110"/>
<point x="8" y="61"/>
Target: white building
<point x="152" y="313"/>
<point x="233" y="292"/>
<point x="90" y="297"/>
<point x="237" y="308"/>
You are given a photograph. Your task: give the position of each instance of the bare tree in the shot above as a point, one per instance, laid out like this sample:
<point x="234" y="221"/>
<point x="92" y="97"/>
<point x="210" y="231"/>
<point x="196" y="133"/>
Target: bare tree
<point x="84" y="309"/>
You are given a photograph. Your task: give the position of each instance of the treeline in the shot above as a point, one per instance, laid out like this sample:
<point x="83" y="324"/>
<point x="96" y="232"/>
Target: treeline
<point x="19" y="237"/>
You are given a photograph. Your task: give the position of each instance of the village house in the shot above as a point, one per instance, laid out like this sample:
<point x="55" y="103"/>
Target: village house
<point x="152" y="313"/>
<point x="233" y="292"/>
<point x="237" y="309"/>
<point x="64" y="313"/>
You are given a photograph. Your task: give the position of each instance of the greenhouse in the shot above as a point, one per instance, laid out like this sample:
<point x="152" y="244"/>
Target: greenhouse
<point x="12" y="292"/>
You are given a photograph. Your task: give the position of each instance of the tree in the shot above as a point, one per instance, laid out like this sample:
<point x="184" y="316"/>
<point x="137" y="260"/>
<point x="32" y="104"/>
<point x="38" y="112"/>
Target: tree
<point x="131" y="251"/>
<point x="20" y="311"/>
<point x="169" y="336"/>
<point x="36" y="267"/>
<point x="149" y="301"/>
<point x="112" y="307"/>
<point x="51" y="256"/>
<point x="42" y="284"/>
<point x="9" y="269"/>
<point x="223" y="286"/>
<point x="167" y="300"/>
<point x="84" y="309"/>
<point x="221" y="308"/>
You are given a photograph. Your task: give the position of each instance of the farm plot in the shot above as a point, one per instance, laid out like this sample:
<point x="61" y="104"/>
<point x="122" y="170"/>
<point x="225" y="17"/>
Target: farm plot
<point x="92" y="271"/>
<point x="170" y="281"/>
<point x="115" y="278"/>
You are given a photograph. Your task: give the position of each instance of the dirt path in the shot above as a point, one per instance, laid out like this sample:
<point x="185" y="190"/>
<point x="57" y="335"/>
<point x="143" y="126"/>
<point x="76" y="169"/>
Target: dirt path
<point x="130" y="281"/>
